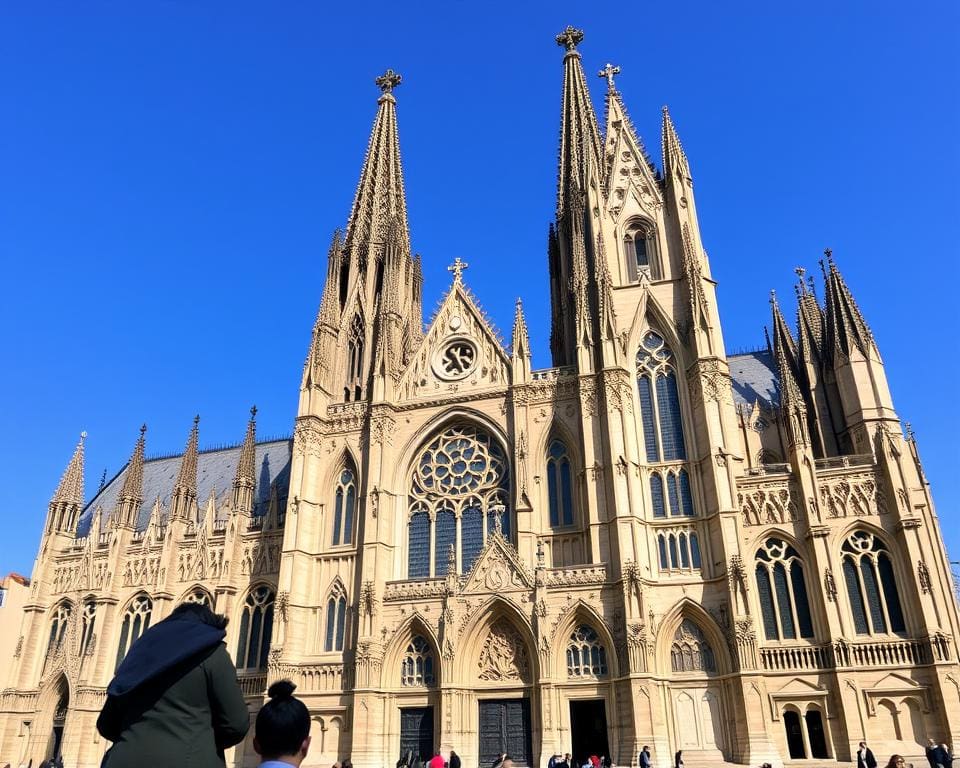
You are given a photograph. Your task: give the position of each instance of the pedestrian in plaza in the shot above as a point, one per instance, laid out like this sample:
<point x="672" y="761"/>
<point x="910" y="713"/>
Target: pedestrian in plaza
<point x="931" y="753"/>
<point x="436" y="761"/>
<point x="645" y="761"/>
<point x="175" y="699"/>
<point x="678" y="759"/>
<point x="865" y="758"/>
<point x="454" y="760"/>
<point x="896" y="761"/>
<point x="282" y="732"/>
<point x="944" y="756"/>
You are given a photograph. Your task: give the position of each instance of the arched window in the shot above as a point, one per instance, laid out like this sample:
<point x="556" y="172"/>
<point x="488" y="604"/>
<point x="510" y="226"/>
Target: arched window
<point x="353" y="387"/>
<point x="871" y="585"/>
<point x="559" y="486"/>
<point x="256" y="626"/>
<point x="460" y="479"/>
<point x="199" y="596"/>
<point x="58" y="627"/>
<point x="677" y="502"/>
<point x="88" y="620"/>
<point x="344" y="505"/>
<point x="679" y="550"/>
<point x="782" y="591"/>
<point x="640" y="249"/>
<point x="586" y="656"/>
<point x="136" y="621"/>
<point x="659" y="401"/>
<point x="336" y="620"/>
<point x="690" y="651"/>
<point x="416" y="670"/>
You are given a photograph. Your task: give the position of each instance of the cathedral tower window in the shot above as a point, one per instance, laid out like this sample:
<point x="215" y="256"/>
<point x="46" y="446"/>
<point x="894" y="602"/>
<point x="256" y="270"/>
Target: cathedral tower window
<point x="782" y="592"/>
<point x="679" y="550"/>
<point x="871" y="585"/>
<point x="416" y="670"/>
<point x="640" y="249"/>
<point x="586" y="656"/>
<point x="661" y="420"/>
<point x="353" y="387"/>
<point x="344" y="506"/>
<point x="559" y="486"/>
<point x="670" y="493"/>
<point x="88" y="620"/>
<point x="336" y="620"/>
<point x="256" y="626"/>
<point x="690" y="651"/>
<point x="136" y="621"/>
<point x="459" y="494"/>
<point x="58" y="627"/>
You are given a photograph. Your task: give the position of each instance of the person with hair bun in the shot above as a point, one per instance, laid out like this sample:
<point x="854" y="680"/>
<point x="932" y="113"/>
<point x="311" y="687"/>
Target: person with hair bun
<point x="282" y="732"/>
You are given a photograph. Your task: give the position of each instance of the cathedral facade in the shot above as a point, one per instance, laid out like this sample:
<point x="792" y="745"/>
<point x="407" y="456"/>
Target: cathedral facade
<point x="651" y="542"/>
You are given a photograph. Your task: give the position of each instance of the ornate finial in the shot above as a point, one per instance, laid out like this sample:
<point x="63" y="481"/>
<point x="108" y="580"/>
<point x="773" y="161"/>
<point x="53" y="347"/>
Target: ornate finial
<point x="909" y="427"/>
<point x="457" y="268"/>
<point x="799" y="272"/>
<point x="609" y="71"/>
<point x="828" y="252"/>
<point x="570" y="38"/>
<point x="253" y="413"/>
<point x="83" y="436"/>
<point x="196" y="420"/>
<point x="388" y="81"/>
<point x="143" y="429"/>
<point x="773" y="296"/>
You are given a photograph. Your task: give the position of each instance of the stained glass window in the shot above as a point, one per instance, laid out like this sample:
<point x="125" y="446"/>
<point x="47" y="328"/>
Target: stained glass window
<point x="416" y="669"/>
<point x="256" y="626"/>
<point x="871" y="585"/>
<point x="462" y="471"/>
<point x="344" y="504"/>
<point x="58" y="627"/>
<point x="656" y="494"/>
<point x="586" y="656"/>
<point x="782" y="591"/>
<point x="559" y="490"/>
<point x="678" y="550"/>
<point x="690" y="651"/>
<point x="336" y="619"/>
<point x="660" y="411"/>
<point x="136" y="621"/>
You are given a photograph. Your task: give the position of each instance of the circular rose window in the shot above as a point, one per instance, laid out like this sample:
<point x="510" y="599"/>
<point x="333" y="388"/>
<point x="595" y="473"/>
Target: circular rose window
<point x="456" y="359"/>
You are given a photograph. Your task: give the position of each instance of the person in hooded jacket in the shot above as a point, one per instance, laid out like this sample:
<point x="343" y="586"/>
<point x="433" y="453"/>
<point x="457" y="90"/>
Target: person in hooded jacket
<point x="175" y="699"/>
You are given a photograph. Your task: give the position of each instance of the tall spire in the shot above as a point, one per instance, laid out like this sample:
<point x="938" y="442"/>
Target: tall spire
<point x="246" y="466"/>
<point x="846" y="328"/>
<point x="131" y="493"/>
<point x="810" y="322"/>
<point x="783" y="343"/>
<point x="185" y="488"/>
<point x="64" y="508"/>
<point x="792" y="401"/>
<point x="520" y="343"/>
<point x="380" y="197"/>
<point x="579" y="134"/>
<point x="70" y="489"/>
<point x="674" y="158"/>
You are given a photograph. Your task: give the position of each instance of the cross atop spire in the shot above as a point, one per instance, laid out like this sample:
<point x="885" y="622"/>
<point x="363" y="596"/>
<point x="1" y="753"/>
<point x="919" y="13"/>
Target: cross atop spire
<point x="570" y="38"/>
<point x="610" y="71"/>
<point x="388" y="81"/>
<point x="457" y="269"/>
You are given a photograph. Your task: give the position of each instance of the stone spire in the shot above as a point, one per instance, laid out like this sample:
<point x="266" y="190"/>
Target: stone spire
<point x="792" y="402"/>
<point x="131" y="493"/>
<point x="70" y="489"/>
<point x="783" y="342"/>
<point x="67" y="500"/>
<point x="674" y="158"/>
<point x="846" y="328"/>
<point x="520" y="342"/>
<point x="579" y="134"/>
<point x="810" y="322"/>
<point x="185" y="488"/>
<point x="380" y="197"/>
<point x="245" y="480"/>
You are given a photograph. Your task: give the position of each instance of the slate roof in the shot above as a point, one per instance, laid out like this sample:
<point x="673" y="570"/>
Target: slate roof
<point x="754" y="377"/>
<point x="215" y="470"/>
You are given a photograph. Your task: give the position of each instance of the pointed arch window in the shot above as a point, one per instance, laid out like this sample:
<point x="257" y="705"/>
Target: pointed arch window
<point x="136" y="621"/>
<point x="459" y="495"/>
<point x="559" y="485"/>
<point x="416" y="669"/>
<point x="871" y="585"/>
<point x="678" y="501"/>
<point x="690" y="651"/>
<point x="353" y="386"/>
<point x="640" y="249"/>
<point x="586" y="656"/>
<point x="782" y="591"/>
<point x="256" y="626"/>
<point x="58" y="627"/>
<point x="199" y="596"/>
<point x="344" y="507"/>
<point x="679" y="550"/>
<point x="660" y="415"/>
<point x="336" y="620"/>
<point x="88" y="621"/>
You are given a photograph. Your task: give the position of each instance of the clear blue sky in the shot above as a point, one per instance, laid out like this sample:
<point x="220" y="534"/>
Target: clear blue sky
<point x="171" y="172"/>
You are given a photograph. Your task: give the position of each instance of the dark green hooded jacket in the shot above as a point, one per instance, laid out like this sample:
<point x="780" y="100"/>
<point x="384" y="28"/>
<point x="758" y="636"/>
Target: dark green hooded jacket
<point x="175" y="700"/>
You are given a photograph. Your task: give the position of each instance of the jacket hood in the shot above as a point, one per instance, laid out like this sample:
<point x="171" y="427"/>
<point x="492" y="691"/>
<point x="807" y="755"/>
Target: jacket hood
<point x="163" y="646"/>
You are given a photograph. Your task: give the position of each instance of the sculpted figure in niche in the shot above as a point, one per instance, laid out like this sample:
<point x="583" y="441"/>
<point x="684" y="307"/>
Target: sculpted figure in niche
<point x="504" y="654"/>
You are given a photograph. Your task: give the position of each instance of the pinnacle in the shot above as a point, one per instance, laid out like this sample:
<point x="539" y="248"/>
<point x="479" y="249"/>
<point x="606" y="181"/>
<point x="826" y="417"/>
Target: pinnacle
<point x="187" y="476"/>
<point x="846" y="326"/>
<point x="674" y="157"/>
<point x="246" y="465"/>
<point x="132" y="489"/>
<point x="521" y="338"/>
<point x="70" y="489"/>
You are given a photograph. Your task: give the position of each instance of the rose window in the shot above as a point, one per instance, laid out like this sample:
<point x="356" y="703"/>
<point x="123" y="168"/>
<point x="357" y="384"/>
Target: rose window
<point x="456" y="360"/>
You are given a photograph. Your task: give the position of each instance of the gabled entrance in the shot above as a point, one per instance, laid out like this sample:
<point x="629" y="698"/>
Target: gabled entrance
<point x="588" y="729"/>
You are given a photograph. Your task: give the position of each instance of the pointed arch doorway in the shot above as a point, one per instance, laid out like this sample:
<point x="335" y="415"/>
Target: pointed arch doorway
<point x="699" y="723"/>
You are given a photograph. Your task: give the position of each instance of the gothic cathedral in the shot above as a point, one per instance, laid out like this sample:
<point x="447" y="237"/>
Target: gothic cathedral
<point x="651" y="542"/>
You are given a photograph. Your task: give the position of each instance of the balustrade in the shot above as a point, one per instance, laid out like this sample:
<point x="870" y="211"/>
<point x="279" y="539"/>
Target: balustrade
<point x="842" y="654"/>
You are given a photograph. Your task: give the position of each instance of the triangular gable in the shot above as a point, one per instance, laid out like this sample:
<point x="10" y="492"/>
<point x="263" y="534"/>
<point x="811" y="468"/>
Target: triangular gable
<point x="498" y="569"/>
<point x="460" y="351"/>
<point x="800" y="686"/>
<point x="629" y="178"/>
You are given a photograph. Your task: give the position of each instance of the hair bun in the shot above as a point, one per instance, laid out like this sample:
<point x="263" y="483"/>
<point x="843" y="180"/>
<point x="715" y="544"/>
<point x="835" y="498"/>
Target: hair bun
<point x="282" y="689"/>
